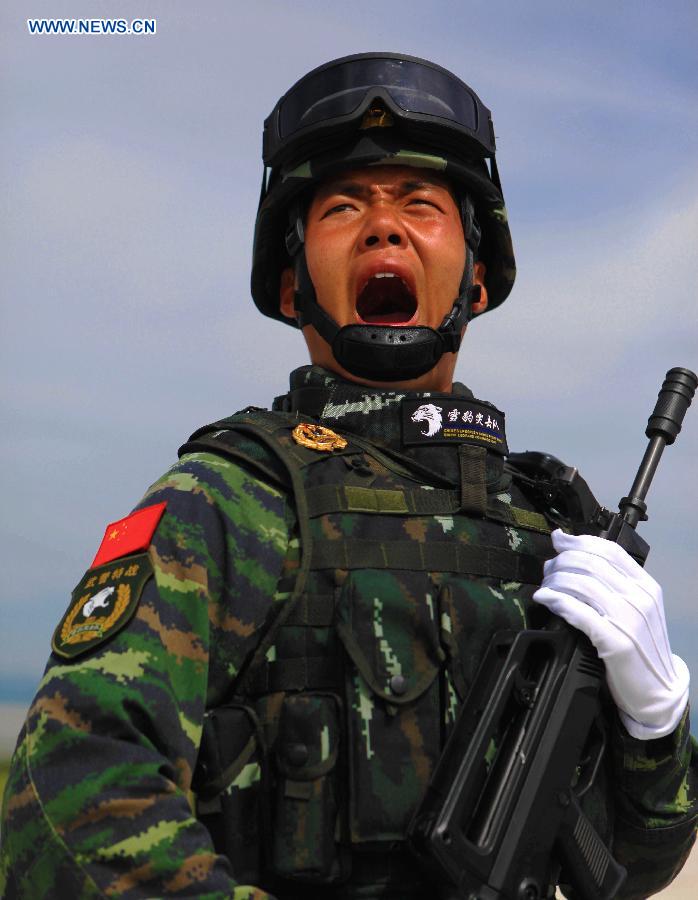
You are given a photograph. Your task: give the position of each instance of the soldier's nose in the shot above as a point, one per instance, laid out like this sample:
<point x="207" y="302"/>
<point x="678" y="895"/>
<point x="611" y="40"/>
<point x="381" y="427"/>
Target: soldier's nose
<point x="374" y="239"/>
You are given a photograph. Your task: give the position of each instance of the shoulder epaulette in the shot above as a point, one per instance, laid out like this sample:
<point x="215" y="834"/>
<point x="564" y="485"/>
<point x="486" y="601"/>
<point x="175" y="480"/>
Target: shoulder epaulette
<point x="235" y="438"/>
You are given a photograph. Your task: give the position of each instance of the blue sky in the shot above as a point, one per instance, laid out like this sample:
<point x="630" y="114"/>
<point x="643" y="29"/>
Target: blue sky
<point x="130" y="170"/>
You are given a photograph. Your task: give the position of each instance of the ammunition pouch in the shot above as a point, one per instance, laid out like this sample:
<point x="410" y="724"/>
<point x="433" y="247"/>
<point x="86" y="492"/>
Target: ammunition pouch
<point x="228" y="786"/>
<point x="306" y="798"/>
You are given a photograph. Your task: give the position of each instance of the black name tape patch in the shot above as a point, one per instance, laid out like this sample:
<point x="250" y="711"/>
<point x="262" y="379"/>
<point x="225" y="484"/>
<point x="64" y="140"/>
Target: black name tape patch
<point x="101" y="604"/>
<point x="453" y="421"/>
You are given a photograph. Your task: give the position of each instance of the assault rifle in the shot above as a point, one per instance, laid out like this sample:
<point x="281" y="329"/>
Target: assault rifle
<point x="501" y="816"/>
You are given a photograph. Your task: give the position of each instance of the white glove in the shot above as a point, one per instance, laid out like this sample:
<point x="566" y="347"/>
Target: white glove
<point x="599" y="589"/>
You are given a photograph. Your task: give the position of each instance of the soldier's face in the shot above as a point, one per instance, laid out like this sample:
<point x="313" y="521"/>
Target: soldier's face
<point x="384" y="246"/>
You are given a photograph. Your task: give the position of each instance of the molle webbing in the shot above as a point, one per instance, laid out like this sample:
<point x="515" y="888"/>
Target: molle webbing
<point x="238" y="439"/>
<point x="329" y="498"/>
<point x="299" y="673"/>
<point x="412" y="556"/>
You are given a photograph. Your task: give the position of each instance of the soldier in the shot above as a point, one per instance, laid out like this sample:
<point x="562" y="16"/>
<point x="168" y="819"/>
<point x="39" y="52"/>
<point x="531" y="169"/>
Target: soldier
<point x="254" y="680"/>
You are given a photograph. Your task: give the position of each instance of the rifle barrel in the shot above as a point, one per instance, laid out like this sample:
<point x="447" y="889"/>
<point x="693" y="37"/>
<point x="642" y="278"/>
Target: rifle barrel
<point x="663" y="426"/>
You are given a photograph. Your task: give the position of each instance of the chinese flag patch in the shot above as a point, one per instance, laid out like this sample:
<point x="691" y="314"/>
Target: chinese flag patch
<point x="129" y="535"/>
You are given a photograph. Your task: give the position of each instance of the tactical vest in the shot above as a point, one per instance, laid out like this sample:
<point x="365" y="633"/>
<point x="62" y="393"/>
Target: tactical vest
<point x="394" y="585"/>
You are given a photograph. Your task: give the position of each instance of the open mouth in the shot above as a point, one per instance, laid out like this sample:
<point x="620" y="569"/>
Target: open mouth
<point x="386" y="299"/>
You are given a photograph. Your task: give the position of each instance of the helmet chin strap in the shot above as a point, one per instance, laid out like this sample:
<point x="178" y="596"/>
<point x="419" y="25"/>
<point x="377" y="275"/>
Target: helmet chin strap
<point x="386" y="352"/>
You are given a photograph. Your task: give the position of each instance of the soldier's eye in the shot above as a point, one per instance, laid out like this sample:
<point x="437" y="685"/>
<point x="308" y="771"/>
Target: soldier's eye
<point x="340" y="207"/>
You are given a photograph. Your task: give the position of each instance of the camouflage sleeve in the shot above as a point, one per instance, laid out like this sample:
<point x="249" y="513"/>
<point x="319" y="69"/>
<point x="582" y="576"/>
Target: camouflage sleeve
<point x="657" y="807"/>
<point x="97" y="799"/>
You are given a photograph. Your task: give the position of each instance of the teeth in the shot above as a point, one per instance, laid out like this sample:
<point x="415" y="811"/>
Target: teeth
<point x="385" y="275"/>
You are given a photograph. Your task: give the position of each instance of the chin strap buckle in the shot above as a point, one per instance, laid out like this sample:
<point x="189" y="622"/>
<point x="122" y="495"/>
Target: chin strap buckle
<point x="450" y="329"/>
<point x="294" y="237"/>
<point x="471" y="227"/>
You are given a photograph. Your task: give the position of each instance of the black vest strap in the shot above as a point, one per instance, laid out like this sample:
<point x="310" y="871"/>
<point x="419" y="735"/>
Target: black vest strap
<point x="311" y="400"/>
<point x="473" y="479"/>
<point x="316" y="672"/>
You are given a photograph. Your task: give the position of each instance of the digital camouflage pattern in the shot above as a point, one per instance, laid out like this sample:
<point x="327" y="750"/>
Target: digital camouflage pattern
<point x="383" y="598"/>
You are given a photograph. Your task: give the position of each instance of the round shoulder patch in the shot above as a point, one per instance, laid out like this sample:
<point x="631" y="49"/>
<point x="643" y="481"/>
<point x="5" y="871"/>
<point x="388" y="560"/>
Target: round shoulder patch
<point x="102" y="603"/>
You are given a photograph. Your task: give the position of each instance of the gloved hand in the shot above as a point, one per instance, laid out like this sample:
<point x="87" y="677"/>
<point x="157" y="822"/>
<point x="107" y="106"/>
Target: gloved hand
<point x="599" y="588"/>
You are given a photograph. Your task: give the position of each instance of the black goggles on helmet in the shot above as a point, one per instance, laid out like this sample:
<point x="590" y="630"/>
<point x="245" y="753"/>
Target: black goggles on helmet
<point x="331" y="99"/>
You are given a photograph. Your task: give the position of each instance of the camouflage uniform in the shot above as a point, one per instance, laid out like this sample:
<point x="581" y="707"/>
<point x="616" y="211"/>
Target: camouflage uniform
<point x="325" y="681"/>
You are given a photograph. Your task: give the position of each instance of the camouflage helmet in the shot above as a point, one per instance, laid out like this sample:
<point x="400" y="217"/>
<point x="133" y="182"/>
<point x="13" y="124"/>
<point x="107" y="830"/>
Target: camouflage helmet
<point x="377" y="109"/>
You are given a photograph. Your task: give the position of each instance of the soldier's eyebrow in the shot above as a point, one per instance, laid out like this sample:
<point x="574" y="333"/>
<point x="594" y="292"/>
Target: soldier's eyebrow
<point x="407" y="187"/>
<point x="436" y="183"/>
<point x="350" y="188"/>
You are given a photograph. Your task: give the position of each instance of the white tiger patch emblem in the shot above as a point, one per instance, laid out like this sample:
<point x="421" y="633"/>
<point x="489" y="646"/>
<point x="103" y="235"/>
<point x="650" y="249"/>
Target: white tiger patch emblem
<point x="431" y="415"/>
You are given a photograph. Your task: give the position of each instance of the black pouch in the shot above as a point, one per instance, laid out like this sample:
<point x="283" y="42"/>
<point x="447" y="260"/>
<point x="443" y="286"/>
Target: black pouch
<point x="228" y="787"/>
<point x="306" y="843"/>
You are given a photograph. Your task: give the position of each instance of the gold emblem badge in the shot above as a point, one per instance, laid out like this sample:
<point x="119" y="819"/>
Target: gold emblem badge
<point x="316" y="437"/>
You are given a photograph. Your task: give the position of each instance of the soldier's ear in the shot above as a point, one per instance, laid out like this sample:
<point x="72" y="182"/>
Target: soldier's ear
<point x="287" y="291"/>
<point x="479" y="270"/>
